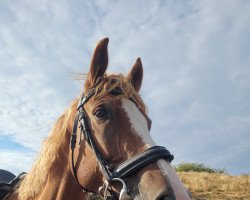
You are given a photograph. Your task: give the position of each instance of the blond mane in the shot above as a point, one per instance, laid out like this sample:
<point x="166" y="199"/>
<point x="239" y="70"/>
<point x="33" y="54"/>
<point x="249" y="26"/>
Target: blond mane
<point x="56" y="145"/>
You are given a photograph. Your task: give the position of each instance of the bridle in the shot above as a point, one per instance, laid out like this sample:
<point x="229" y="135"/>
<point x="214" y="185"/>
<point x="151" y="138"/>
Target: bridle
<point x="123" y="170"/>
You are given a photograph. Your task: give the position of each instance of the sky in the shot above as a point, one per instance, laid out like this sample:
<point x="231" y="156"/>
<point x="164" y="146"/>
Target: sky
<point x="195" y="54"/>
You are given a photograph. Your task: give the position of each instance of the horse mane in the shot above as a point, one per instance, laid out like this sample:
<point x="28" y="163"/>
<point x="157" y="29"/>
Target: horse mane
<point x="54" y="147"/>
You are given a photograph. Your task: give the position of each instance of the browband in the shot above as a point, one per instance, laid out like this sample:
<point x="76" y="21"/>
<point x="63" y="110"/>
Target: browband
<point x="140" y="160"/>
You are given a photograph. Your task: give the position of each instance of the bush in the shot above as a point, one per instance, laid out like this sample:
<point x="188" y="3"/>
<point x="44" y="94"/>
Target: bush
<point x="195" y="167"/>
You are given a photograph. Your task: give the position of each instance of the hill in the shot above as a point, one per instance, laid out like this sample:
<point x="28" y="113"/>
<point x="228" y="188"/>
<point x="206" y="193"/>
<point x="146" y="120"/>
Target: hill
<point x="216" y="186"/>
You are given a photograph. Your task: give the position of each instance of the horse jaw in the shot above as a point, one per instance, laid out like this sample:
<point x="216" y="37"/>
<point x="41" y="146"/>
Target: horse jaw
<point x="140" y="127"/>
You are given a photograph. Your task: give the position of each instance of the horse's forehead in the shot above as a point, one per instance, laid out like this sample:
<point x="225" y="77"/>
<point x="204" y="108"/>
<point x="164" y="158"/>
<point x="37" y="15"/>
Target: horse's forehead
<point x="95" y="102"/>
<point x="138" y="122"/>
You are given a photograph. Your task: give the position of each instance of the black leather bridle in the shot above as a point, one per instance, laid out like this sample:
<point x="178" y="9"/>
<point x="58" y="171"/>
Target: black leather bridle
<point x="123" y="170"/>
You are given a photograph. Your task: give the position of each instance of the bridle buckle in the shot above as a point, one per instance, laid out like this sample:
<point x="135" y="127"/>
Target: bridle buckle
<point x="108" y="194"/>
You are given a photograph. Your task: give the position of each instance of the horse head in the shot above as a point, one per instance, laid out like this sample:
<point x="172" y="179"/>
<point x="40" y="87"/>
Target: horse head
<point x="116" y="153"/>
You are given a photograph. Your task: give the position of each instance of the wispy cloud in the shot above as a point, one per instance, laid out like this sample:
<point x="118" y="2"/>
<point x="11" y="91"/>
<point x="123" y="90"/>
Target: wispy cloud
<point x="16" y="161"/>
<point x="195" y="56"/>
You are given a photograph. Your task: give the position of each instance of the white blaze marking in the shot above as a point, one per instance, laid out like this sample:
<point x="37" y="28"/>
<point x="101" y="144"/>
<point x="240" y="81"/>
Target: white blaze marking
<point x="140" y="126"/>
<point x="138" y="122"/>
<point x="178" y="187"/>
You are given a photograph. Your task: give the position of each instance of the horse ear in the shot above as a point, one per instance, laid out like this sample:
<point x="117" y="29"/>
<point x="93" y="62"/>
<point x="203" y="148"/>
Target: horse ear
<point x="136" y="74"/>
<point x="99" y="63"/>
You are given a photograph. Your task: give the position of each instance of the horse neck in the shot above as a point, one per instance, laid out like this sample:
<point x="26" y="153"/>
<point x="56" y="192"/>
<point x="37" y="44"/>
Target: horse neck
<point x="51" y="176"/>
<point x="60" y="182"/>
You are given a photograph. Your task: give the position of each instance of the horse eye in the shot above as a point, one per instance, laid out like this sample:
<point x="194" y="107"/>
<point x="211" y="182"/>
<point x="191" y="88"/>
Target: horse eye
<point x="101" y="113"/>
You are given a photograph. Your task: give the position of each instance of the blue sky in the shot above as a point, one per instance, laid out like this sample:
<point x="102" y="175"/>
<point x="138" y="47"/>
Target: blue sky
<point x="196" y="63"/>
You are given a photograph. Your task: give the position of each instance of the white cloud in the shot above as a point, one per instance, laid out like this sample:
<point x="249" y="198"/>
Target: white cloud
<point x="195" y="56"/>
<point x="16" y="161"/>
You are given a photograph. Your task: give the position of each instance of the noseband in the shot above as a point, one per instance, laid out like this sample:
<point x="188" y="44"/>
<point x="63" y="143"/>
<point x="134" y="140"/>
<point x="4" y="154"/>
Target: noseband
<point x="123" y="170"/>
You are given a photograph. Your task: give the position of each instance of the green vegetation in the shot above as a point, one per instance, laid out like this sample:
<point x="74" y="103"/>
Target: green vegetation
<point x="195" y="167"/>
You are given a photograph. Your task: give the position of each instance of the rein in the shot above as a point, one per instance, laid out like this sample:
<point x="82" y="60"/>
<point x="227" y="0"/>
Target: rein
<point x="123" y="170"/>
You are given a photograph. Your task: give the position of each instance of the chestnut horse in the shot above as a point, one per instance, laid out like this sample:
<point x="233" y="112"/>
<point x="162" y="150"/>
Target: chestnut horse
<point x="111" y="151"/>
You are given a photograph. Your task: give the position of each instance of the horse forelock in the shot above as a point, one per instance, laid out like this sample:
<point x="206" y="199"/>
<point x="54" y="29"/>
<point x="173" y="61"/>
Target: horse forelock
<point x="54" y="147"/>
<point x="109" y="82"/>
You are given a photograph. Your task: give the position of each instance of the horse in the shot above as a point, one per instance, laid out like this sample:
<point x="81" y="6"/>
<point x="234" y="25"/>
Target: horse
<point x="102" y="145"/>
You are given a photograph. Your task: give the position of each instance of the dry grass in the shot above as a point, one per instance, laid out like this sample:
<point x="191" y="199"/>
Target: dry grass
<point x="215" y="186"/>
